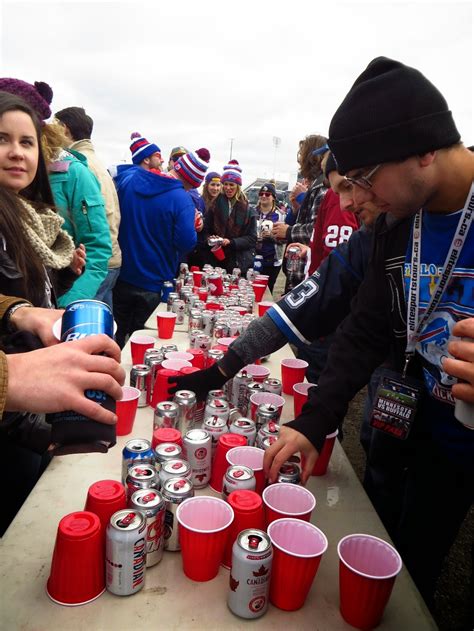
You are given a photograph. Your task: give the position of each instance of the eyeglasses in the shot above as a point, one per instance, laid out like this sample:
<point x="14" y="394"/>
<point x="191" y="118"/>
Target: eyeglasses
<point x="363" y="181"/>
<point x="265" y="194"/>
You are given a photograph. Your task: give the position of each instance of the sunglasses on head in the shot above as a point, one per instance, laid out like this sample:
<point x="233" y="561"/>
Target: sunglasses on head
<point x="265" y="194"/>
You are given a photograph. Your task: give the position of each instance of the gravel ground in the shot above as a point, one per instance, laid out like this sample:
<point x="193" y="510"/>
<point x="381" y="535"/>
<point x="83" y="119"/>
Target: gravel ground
<point x="452" y="597"/>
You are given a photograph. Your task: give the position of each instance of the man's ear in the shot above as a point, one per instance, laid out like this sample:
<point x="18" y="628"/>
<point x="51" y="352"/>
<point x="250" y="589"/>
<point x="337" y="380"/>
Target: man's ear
<point x="427" y="158"/>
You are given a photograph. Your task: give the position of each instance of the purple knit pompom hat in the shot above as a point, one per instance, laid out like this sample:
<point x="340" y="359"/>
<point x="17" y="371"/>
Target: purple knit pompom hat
<point x="38" y="95"/>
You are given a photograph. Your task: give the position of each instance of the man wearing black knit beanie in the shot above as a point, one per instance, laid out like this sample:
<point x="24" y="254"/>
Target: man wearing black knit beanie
<point x="395" y="140"/>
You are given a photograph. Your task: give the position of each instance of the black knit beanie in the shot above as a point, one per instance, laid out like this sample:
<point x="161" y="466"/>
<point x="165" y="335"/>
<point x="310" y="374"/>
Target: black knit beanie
<point x="330" y="165"/>
<point x="391" y="112"/>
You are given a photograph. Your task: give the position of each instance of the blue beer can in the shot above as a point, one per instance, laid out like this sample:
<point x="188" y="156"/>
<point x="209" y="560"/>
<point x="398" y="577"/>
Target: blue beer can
<point x="167" y="288"/>
<point x="86" y="317"/>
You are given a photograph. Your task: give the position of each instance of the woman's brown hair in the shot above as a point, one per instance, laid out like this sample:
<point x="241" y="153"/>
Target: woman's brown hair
<point x="310" y="165"/>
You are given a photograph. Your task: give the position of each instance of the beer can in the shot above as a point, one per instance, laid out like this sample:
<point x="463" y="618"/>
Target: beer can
<point x="208" y="319"/>
<point x="293" y="258"/>
<point x="165" y="452"/>
<point x="258" y="264"/>
<point x="141" y="476"/>
<point x="183" y="269"/>
<point x="239" y="386"/>
<point x="198" y="449"/>
<point x="217" y="407"/>
<point x="175" y="468"/>
<point x="166" y="290"/>
<point x="172" y="296"/>
<point x="268" y="442"/>
<point x="289" y="472"/>
<point x="195" y="321"/>
<point x="166" y="414"/>
<point x="178" y="308"/>
<point x="217" y="393"/>
<point x="238" y="478"/>
<point x="270" y="429"/>
<point x="249" y="581"/>
<point x="213" y="356"/>
<point x="272" y="385"/>
<point x="136" y="451"/>
<point x="266" y="412"/>
<point x="154" y="362"/>
<point x="186" y="401"/>
<point x="252" y="388"/>
<point x="140" y="379"/>
<point x="245" y="427"/>
<point x="203" y="342"/>
<point x="215" y="426"/>
<point x="151" y="503"/>
<point x="125" y="552"/>
<point x="221" y="330"/>
<point x="174" y="491"/>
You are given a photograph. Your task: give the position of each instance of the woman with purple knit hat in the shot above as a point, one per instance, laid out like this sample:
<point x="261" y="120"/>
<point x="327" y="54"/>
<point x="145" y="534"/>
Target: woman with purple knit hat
<point x="231" y="218"/>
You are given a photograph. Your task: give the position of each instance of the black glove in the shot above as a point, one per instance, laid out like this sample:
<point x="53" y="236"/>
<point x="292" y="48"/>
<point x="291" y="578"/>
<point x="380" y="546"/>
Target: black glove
<point x="199" y="382"/>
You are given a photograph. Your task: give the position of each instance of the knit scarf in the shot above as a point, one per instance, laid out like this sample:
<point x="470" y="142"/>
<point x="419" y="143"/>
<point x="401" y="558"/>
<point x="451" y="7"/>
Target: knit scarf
<point x="53" y="245"/>
<point x="230" y="222"/>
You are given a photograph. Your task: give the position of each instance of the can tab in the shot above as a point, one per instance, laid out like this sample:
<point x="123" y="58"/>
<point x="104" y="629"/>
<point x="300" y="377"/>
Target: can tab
<point x="254" y="542"/>
<point x="149" y="497"/>
<point x="179" y="484"/>
<point x="126" y="521"/>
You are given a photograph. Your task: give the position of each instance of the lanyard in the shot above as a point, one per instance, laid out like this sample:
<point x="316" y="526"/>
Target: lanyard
<point x="415" y="325"/>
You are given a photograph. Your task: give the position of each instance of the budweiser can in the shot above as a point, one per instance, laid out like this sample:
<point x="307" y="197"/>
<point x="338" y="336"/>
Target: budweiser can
<point x="150" y="502"/>
<point x="136" y="451"/>
<point x="265" y="413"/>
<point x="172" y="296"/>
<point x="293" y="259"/>
<point x="215" y="426"/>
<point x="238" y="478"/>
<point x="203" y="342"/>
<point x="289" y="472"/>
<point x="174" y="491"/>
<point x="245" y="427"/>
<point x="198" y="449"/>
<point x="270" y="429"/>
<point x="249" y="581"/>
<point x="213" y="356"/>
<point x="165" y="452"/>
<point x="252" y="388"/>
<point x="166" y="415"/>
<point x="239" y="386"/>
<point x="268" y="442"/>
<point x="125" y="552"/>
<point x="140" y="379"/>
<point x="178" y="308"/>
<point x="186" y="401"/>
<point x="175" y="468"/>
<point x="141" y="476"/>
<point x="217" y="407"/>
<point x="272" y="385"/>
<point x="166" y="290"/>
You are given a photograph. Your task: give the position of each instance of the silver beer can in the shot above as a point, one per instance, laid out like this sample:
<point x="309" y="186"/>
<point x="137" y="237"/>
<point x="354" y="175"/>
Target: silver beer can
<point x="203" y="342"/>
<point x="270" y="429"/>
<point x="238" y="478"/>
<point x="252" y="388"/>
<point x="289" y="472"/>
<point x="272" y="385"/>
<point x="151" y="503"/>
<point x="217" y="407"/>
<point x="125" y="552"/>
<point x="154" y="362"/>
<point x="168" y="348"/>
<point x="172" y="296"/>
<point x="195" y="321"/>
<point x="245" y="427"/>
<point x="214" y="355"/>
<point x="239" y="386"/>
<point x="175" y="468"/>
<point x="216" y="426"/>
<point x="249" y="581"/>
<point x="141" y="476"/>
<point x="186" y="401"/>
<point x="178" y="308"/>
<point x="166" y="415"/>
<point x="140" y="378"/>
<point x="265" y="413"/>
<point x="217" y="393"/>
<point x="293" y="260"/>
<point x="165" y="452"/>
<point x="174" y="491"/>
<point x="197" y="446"/>
<point x="268" y="442"/>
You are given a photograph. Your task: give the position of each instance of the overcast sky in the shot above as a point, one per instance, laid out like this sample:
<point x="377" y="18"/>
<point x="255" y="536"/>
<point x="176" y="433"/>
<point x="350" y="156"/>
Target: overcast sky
<point x="201" y="73"/>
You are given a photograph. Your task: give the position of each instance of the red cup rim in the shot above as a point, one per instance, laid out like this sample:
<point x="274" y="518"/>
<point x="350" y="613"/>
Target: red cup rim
<point x="306" y="524"/>
<point x="301" y="362"/>
<point x="133" y="393"/>
<point x="142" y="339"/>
<point x="268" y="490"/>
<point x="167" y="314"/>
<point x="200" y="498"/>
<point x="247" y="447"/>
<point x="385" y="543"/>
<point x="307" y="385"/>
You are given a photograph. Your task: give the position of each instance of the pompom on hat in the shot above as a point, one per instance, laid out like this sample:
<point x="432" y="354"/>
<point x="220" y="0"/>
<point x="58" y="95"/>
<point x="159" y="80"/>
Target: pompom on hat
<point x="38" y="95"/>
<point x="232" y="173"/>
<point x="391" y="112"/>
<point x="192" y="166"/>
<point x="141" y="148"/>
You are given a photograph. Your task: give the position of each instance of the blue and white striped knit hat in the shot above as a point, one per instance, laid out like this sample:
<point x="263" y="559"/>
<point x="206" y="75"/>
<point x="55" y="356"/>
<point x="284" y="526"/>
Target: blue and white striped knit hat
<point x="232" y="173"/>
<point x="192" y="166"/>
<point x="141" y="148"/>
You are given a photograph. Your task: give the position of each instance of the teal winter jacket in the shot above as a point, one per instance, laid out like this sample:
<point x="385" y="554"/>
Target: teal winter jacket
<point x="79" y="200"/>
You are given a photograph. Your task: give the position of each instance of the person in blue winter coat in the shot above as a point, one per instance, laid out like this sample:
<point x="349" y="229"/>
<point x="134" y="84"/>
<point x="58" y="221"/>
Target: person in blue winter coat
<point x="156" y="232"/>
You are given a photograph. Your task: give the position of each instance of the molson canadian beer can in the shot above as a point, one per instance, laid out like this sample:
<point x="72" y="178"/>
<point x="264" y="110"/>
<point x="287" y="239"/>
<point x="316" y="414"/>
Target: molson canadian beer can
<point x="165" y="452"/>
<point x="245" y="427"/>
<point x="238" y="478"/>
<point x="215" y="426"/>
<point x="125" y="552"/>
<point x="174" y="491"/>
<point x="249" y="581"/>
<point x="151" y="503"/>
<point x="198" y="449"/>
<point x="186" y="401"/>
<point x="141" y="476"/>
<point x="270" y="429"/>
<point x="174" y="468"/>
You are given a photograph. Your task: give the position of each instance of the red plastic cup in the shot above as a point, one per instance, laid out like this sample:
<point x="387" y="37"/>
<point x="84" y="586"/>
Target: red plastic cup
<point x="194" y="268"/>
<point x="263" y="307"/>
<point x="78" y="566"/>
<point x="166" y="435"/>
<point x="258" y="398"/>
<point x="257" y="372"/>
<point x="179" y="355"/>
<point x="161" y="386"/>
<point x="283" y="500"/>
<point x="204" y="524"/>
<point x="197" y="278"/>
<point x="292" y="371"/>
<point x="220" y="464"/>
<point x="297" y="550"/>
<point x="300" y="396"/>
<point x="258" y="290"/>
<point x="248" y="513"/>
<point x="165" y="322"/>
<point x="188" y="370"/>
<point x="104" y="498"/>
<point x="322" y="463"/>
<point x="138" y="345"/>
<point x="198" y="359"/>
<point x="175" y="364"/>
<point x="250" y="457"/>
<point x="126" y="410"/>
<point x="262" y="279"/>
<point x="368" y="567"/>
<point x="203" y="294"/>
<point x="218" y="252"/>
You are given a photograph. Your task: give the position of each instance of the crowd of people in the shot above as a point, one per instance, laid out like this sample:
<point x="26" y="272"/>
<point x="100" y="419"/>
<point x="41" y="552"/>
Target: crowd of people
<point x="380" y="290"/>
